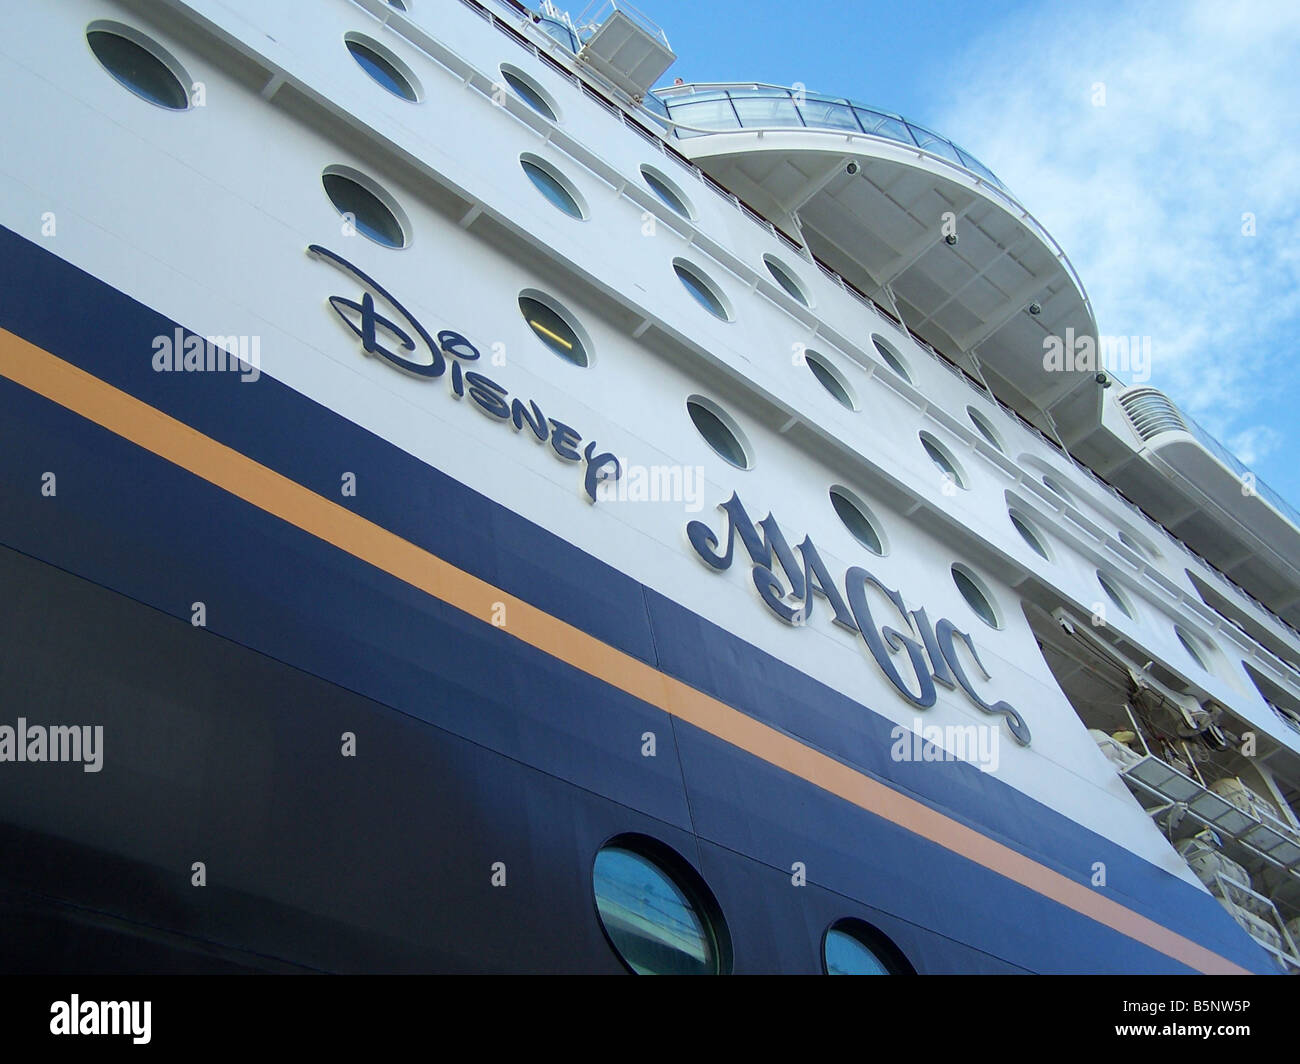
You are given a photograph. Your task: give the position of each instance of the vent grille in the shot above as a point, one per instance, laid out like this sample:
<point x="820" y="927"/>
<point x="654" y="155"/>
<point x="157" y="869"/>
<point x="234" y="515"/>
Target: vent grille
<point x="1151" y="412"/>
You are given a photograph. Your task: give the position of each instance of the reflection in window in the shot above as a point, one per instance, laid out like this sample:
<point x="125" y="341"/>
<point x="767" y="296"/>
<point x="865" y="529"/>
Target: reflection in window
<point x="853" y="947"/>
<point x="551" y="328"/>
<point x="766" y="110"/>
<point x="702" y="291"/>
<point x="381" y="69"/>
<point x="529" y="92"/>
<point x="666" y="191"/>
<point x="550" y="185"/>
<point x="650" y="920"/>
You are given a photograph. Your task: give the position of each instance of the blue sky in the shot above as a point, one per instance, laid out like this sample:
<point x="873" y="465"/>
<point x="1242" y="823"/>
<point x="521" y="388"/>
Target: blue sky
<point x="1146" y="193"/>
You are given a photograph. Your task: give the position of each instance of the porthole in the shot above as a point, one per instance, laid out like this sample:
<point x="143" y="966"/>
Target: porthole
<point x="1109" y="585"/>
<point x="1193" y="646"/>
<point x="943" y="459"/>
<point x="370" y="210"/>
<point x="831" y="379"/>
<point x="1136" y="545"/>
<point x="556" y="188"/>
<point x="892" y="358"/>
<point x="530" y="92"/>
<point x="854" y="947"/>
<point x="667" y="191"/>
<point x="555" y="327"/>
<point x="719" y="430"/>
<point x="139" y="64"/>
<point x="1054" y="486"/>
<point x="985" y="429"/>
<point x="657" y="913"/>
<point x="857" y="519"/>
<point x="701" y="289"/>
<point x="786" y="279"/>
<point x="976" y="595"/>
<point x="1029" y="533"/>
<point x="383" y="67"/>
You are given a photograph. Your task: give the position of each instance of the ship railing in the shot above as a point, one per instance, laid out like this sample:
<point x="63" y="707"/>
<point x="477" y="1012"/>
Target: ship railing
<point x="1236" y="897"/>
<point x="598" y="11"/>
<point x="1276" y="843"/>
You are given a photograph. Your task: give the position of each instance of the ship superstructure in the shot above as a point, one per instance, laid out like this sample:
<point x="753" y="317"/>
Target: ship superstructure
<point x="505" y="516"/>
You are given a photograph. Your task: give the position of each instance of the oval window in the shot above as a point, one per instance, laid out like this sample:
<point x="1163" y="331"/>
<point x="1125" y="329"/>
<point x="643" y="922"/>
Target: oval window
<point x="976" y="595"/>
<point x="1054" y="486"/>
<point x="984" y="428"/>
<point x="1029" y="533"/>
<point x="669" y="193"/>
<point x="891" y="356"/>
<point x="719" y="431"/>
<point x="785" y="278"/>
<point x="530" y="92"/>
<point x="383" y="66"/>
<point x="366" y="206"/>
<point x="1193" y="646"/>
<point x="1136" y="545"/>
<point x="139" y="64"/>
<point x="656" y="912"/>
<point x="1116" y="596"/>
<point x="853" y="947"/>
<point x="855" y="516"/>
<point x="550" y="325"/>
<point x="943" y="459"/>
<point x="830" y="379"/>
<point x="548" y="181"/>
<point x="702" y="290"/>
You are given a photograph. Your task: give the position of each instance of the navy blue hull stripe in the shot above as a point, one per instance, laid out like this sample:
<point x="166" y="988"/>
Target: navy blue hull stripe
<point x="282" y="430"/>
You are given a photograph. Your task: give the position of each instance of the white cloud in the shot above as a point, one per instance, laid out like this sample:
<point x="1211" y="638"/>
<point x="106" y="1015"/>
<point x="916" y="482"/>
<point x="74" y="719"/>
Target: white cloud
<point x="1146" y="193"/>
<point x="1253" y="443"/>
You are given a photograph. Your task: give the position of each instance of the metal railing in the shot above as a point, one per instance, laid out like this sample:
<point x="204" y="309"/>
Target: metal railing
<point x="711" y="106"/>
<point x="598" y="11"/>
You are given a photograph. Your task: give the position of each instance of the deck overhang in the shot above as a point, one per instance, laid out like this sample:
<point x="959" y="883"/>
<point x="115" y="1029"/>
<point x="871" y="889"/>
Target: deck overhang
<point x="881" y="214"/>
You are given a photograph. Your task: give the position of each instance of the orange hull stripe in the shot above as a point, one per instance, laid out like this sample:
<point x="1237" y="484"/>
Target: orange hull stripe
<point x="173" y="440"/>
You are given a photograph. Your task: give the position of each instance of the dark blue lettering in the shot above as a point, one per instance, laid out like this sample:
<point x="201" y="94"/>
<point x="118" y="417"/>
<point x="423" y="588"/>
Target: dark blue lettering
<point x="598" y="469"/>
<point x="536" y="420"/>
<point x="565" y="440"/>
<point x="944" y="632"/>
<point x="489" y="395"/>
<point x="878" y="641"/>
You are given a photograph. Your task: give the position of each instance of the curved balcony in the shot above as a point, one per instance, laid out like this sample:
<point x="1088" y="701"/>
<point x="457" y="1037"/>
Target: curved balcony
<point x="1208" y="498"/>
<point x="1153" y="414"/>
<point x="909" y="217"/>
<point x="698" y="109"/>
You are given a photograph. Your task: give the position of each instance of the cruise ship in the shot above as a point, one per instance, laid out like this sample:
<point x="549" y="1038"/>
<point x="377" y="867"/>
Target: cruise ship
<point x="471" y="501"/>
